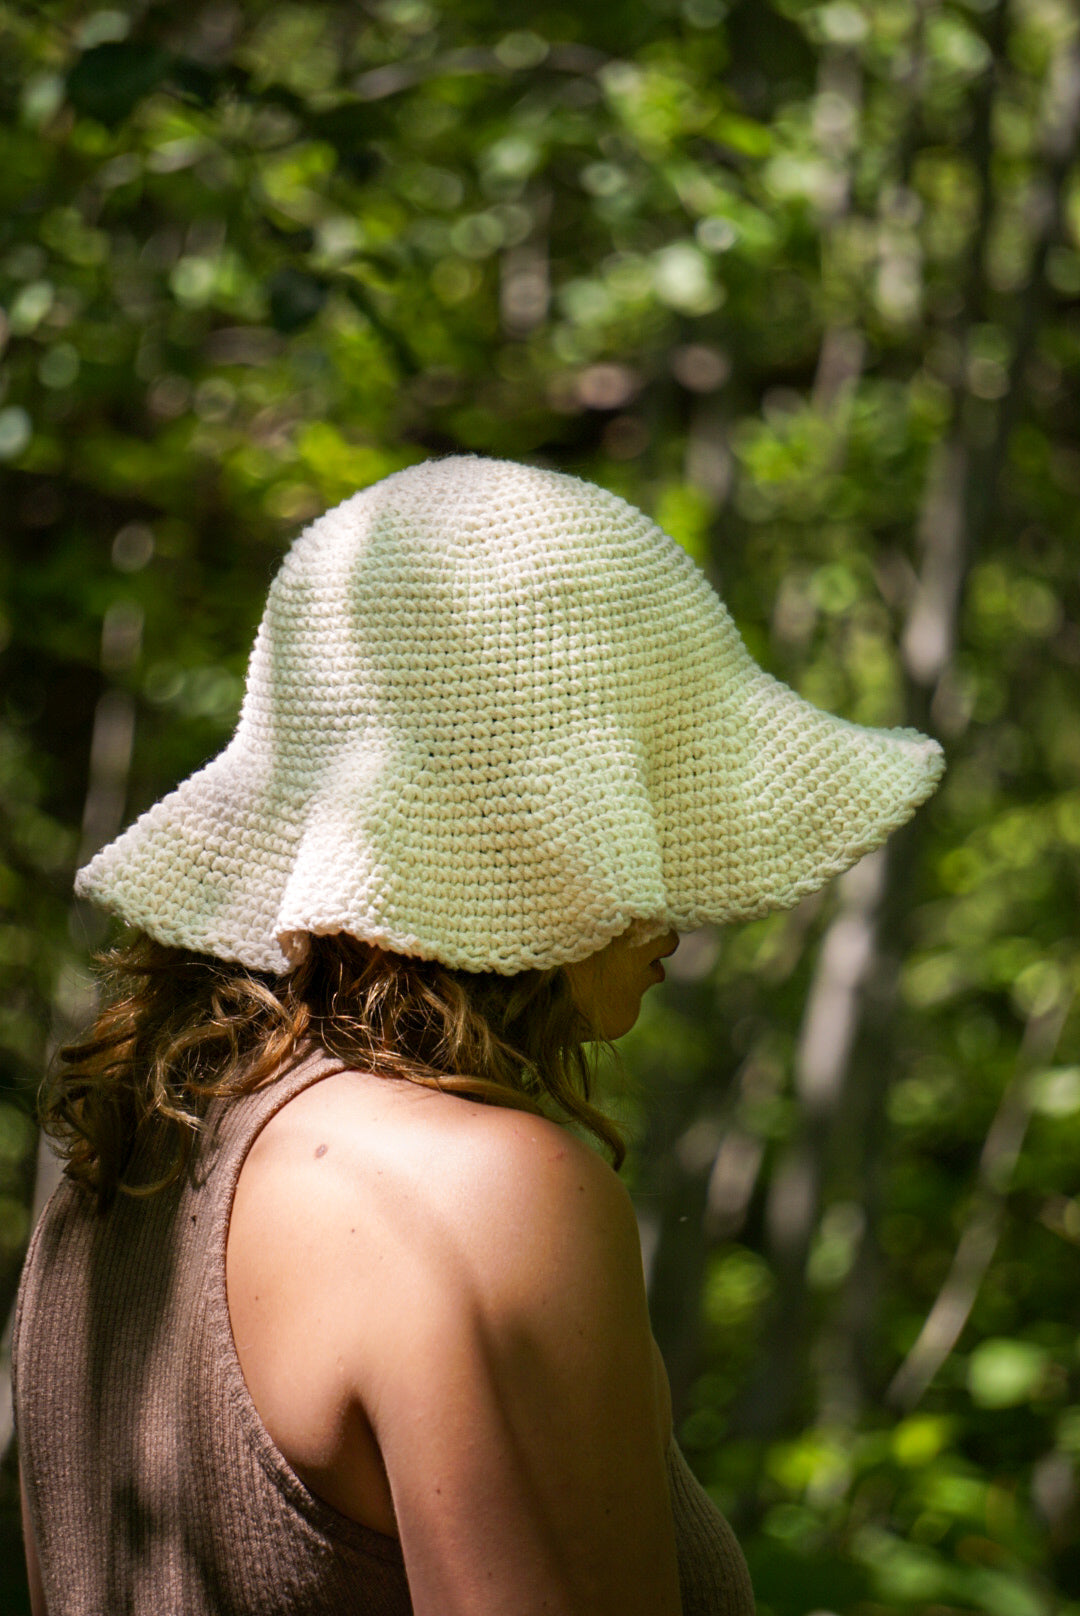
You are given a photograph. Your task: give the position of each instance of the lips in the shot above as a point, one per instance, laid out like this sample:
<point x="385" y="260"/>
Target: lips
<point x="656" y="969"/>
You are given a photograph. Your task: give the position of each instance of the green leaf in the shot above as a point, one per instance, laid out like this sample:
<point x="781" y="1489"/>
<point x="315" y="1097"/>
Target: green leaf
<point x="1003" y="1373"/>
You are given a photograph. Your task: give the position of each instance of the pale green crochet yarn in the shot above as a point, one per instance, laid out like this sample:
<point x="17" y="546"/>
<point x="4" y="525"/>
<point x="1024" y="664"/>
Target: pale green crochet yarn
<point x="494" y="716"/>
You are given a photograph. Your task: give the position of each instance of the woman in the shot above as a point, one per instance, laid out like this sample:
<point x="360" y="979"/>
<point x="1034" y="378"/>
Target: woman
<point x="307" y="1327"/>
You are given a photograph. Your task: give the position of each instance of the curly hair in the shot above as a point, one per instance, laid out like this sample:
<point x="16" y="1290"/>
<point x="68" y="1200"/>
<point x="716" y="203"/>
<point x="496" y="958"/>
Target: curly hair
<point x="179" y="1029"/>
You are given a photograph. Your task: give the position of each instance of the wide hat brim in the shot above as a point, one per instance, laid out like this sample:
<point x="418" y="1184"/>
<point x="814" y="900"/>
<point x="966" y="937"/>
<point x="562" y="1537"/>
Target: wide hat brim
<point x="501" y="752"/>
<point x="263" y="879"/>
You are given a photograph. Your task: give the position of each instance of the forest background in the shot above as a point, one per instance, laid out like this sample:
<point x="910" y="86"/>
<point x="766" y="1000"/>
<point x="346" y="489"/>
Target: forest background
<point x="801" y="280"/>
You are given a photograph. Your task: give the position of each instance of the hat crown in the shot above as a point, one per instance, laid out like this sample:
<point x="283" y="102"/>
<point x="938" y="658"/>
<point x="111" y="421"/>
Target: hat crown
<point x="454" y="596"/>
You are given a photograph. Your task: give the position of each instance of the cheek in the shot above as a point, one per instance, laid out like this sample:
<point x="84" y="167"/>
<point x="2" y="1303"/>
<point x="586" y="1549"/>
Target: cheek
<point x="623" y="1001"/>
<point x="609" y="987"/>
<point x="584" y="989"/>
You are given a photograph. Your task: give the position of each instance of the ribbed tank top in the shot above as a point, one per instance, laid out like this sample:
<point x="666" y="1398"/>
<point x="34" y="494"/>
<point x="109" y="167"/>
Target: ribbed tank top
<point x="153" y="1484"/>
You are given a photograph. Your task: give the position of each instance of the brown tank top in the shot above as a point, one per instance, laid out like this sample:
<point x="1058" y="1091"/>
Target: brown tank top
<point x="153" y="1485"/>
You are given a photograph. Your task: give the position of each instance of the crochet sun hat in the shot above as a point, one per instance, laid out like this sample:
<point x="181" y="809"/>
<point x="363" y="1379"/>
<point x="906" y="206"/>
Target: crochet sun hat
<point x="495" y="716"/>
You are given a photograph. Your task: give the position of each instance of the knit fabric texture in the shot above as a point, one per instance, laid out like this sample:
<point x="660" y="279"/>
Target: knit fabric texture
<point x="495" y="716"/>
<point x="153" y="1485"/>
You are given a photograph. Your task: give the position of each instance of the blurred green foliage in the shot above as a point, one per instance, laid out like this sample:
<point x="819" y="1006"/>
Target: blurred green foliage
<point x="802" y="280"/>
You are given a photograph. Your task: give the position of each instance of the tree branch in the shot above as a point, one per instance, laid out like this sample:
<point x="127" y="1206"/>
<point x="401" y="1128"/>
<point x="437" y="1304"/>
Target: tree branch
<point x="978" y="1243"/>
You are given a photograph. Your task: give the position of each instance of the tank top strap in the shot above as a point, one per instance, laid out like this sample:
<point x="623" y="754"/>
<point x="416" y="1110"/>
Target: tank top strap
<point x="232" y="1123"/>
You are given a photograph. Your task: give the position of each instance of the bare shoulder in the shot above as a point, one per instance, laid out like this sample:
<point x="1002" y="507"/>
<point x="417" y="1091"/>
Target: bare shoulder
<point x="353" y="1129"/>
<point x="385" y="1176"/>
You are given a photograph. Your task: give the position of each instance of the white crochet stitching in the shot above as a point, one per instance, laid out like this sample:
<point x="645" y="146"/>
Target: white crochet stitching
<point x="494" y="716"/>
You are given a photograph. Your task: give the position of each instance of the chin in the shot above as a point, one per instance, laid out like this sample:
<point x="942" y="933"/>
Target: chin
<point x="620" y="1024"/>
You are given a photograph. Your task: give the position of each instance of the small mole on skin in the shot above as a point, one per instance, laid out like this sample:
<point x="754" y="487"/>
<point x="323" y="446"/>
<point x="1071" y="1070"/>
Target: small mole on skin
<point x="321" y="1151"/>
